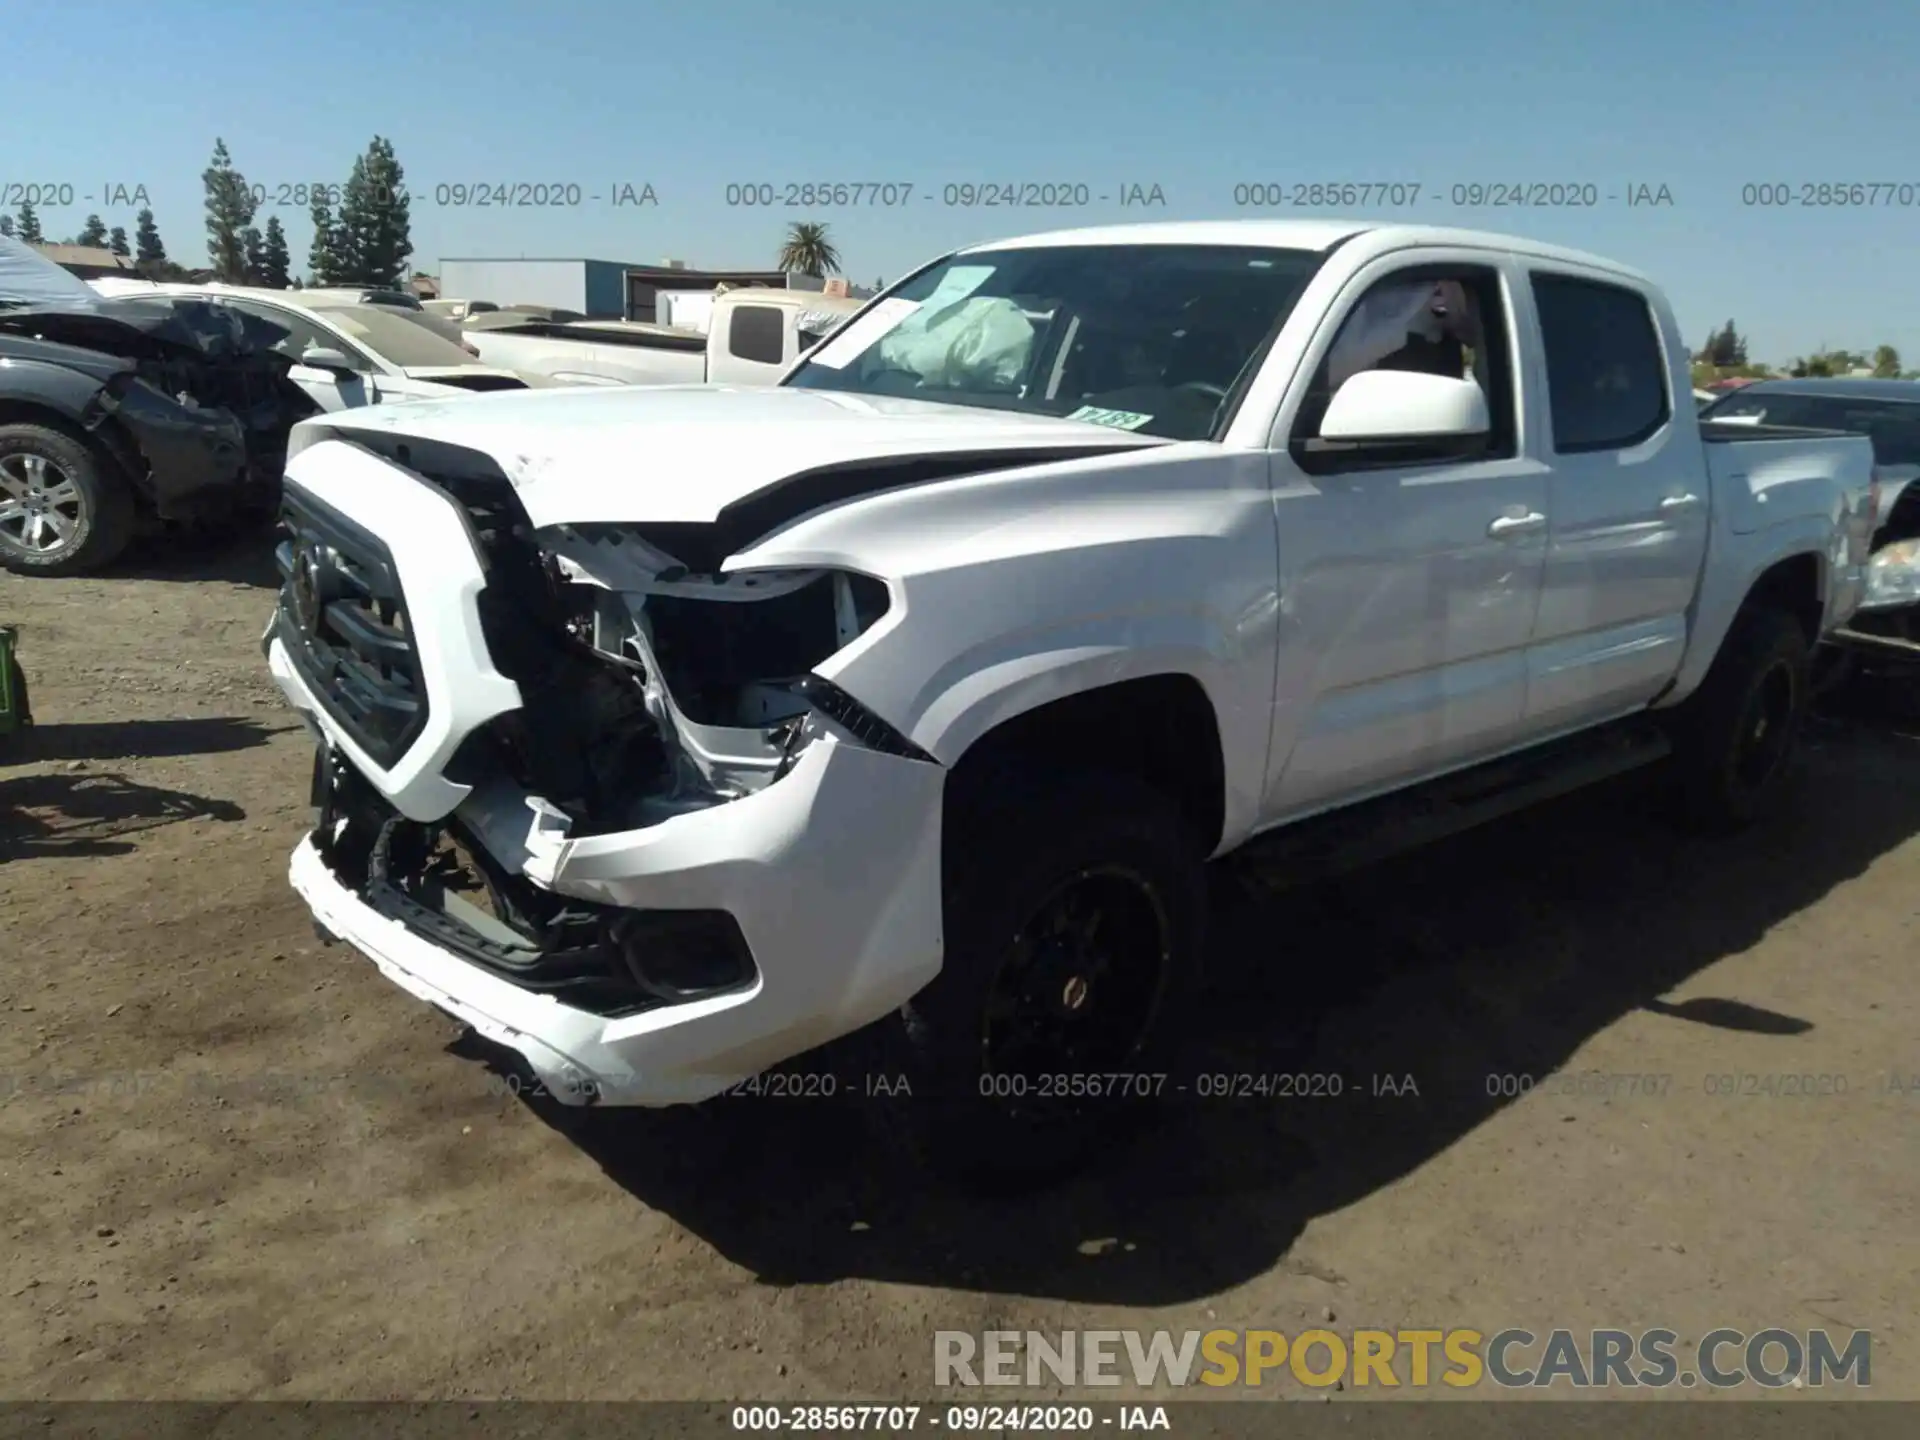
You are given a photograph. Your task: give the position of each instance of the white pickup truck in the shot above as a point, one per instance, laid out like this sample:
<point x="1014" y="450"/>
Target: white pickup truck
<point x="753" y="336"/>
<point x="667" y="734"/>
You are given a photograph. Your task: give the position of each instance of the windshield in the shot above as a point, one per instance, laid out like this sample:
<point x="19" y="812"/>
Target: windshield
<point x="1892" y="425"/>
<point x="396" y="336"/>
<point x="1152" y="338"/>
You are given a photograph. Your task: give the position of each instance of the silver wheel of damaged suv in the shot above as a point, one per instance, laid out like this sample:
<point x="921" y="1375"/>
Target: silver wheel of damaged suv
<point x="41" y="509"/>
<point x="64" y="508"/>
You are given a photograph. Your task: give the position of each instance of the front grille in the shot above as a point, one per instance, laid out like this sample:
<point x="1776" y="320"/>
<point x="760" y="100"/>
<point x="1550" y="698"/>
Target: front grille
<point x="344" y="621"/>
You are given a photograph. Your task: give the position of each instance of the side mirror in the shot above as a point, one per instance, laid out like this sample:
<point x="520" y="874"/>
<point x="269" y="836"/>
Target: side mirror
<point x="335" y="362"/>
<point x="1396" y="408"/>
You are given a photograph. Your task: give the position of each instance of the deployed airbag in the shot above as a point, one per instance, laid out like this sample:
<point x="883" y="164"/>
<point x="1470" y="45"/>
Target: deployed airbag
<point x="978" y="344"/>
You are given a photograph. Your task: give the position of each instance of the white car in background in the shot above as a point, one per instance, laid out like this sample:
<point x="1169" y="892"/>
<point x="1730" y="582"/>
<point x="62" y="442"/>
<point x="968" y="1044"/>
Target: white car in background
<point x="458" y="309"/>
<point x="349" y="354"/>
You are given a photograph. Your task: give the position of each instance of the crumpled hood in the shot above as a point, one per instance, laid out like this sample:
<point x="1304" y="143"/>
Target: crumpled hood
<point x="142" y="327"/>
<point x="680" y="454"/>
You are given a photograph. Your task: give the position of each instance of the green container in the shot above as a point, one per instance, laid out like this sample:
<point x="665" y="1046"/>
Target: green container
<point x="13" y="687"/>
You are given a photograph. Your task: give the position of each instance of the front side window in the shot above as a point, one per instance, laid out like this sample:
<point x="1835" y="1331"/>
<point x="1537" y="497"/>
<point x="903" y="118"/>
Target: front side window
<point x="1445" y="320"/>
<point x="1157" y="339"/>
<point x="1606" y="374"/>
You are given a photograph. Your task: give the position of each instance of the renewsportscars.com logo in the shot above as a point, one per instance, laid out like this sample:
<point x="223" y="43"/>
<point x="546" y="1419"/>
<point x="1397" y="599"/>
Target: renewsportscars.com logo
<point x="1457" y="1358"/>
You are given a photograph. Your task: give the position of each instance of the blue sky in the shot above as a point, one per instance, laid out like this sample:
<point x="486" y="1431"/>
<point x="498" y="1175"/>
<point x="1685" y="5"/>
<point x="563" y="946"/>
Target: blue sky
<point x="1194" y="97"/>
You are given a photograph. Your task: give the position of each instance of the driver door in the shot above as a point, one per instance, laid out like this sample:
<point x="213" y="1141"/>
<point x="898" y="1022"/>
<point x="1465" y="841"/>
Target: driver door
<point x="1407" y="586"/>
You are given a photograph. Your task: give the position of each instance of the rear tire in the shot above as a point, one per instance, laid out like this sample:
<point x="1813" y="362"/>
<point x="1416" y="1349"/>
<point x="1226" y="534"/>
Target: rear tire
<point x="1736" y="738"/>
<point x="49" y="478"/>
<point x="1075" y="917"/>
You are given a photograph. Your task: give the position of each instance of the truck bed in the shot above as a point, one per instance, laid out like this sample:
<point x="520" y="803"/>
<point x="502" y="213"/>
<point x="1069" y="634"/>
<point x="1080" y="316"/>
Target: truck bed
<point x="609" y="332"/>
<point x="605" y="354"/>
<point x="1728" y="432"/>
<point x="1759" y="471"/>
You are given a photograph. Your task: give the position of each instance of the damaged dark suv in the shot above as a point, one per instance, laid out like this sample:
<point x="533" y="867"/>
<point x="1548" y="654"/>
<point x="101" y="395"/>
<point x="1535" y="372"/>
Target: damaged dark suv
<point x="131" y="413"/>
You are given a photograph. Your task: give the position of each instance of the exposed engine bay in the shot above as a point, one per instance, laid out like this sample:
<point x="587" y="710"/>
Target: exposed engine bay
<point x="649" y="690"/>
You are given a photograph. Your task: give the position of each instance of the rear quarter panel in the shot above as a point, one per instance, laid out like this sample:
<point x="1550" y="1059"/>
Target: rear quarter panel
<point x="1775" y="498"/>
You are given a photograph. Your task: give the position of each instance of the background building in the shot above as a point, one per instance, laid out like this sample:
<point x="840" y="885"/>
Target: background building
<point x="89" y="262"/>
<point x="603" y="289"/>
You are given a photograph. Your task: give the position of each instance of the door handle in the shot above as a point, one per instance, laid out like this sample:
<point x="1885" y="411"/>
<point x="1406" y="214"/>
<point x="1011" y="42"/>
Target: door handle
<point x="1517" y="525"/>
<point x="1679" y="502"/>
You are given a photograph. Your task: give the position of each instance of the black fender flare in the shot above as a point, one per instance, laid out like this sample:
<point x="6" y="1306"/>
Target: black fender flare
<point x="70" y="393"/>
<point x="39" y="392"/>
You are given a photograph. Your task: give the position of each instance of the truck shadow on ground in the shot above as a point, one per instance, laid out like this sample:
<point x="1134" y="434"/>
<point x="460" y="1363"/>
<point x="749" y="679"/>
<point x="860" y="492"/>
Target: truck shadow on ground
<point x="241" y="556"/>
<point x="146" y="739"/>
<point x="75" y="816"/>
<point x="1495" y="955"/>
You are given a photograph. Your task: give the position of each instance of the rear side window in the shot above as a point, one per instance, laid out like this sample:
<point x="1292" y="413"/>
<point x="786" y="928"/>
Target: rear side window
<point x="756" y="334"/>
<point x="1606" y="377"/>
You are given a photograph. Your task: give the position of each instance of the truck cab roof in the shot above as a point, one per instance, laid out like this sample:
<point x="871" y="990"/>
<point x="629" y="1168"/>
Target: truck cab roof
<point x="1319" y="236"/>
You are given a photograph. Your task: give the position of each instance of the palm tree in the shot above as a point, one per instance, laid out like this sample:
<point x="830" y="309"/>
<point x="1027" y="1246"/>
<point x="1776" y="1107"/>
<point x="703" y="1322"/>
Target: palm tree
<point x="808" y="251"/>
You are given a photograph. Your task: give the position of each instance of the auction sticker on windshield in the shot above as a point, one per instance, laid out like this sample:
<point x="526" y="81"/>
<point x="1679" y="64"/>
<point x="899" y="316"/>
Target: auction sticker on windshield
<point x="1118" y="419"/>
<point x="856" y="339"/>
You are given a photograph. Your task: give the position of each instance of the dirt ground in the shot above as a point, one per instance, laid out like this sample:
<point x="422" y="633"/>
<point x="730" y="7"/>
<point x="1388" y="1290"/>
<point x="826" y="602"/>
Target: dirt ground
<point x="235" y="1163"/>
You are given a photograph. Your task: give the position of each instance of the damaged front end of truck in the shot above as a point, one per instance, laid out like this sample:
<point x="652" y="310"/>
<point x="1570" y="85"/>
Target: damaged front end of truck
<point x="651" y="685"/>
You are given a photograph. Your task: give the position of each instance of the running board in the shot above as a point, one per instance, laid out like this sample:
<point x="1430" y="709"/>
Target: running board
<point x="1357" y="835"/>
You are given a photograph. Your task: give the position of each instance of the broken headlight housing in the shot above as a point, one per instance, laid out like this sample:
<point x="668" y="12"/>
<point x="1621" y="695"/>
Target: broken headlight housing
<point x="669" y="690"/>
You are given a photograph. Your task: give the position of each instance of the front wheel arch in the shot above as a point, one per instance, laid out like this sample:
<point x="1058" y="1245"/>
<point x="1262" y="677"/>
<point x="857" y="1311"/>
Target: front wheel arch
<point x="1160" y="729"/>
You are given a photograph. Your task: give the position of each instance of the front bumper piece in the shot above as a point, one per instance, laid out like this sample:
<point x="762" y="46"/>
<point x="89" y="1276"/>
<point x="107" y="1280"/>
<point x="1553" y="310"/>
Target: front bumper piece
<point x="831" y="873"/>
<point x="1882" y="638"/>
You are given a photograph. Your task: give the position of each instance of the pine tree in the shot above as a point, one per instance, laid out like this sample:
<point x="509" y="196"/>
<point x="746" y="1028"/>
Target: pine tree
<point x="1726" y="348"/>
<point x="117" y="241"/>
<point x="147" y="247"/>
<point x="275" y="261"/>
<point x="323" y="257"/>
<point x="94" y="232"/>
<point x="254" y="246"/>
<point x="27" y="224"/>
<point x="230" y="207"/>
<point x="375" y="219"/>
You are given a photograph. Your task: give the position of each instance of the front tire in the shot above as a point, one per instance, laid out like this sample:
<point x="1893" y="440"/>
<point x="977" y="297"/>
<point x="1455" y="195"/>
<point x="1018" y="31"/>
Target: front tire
<point x="1736" y="739"/>
<point x="63" y="510"/>
<point x="1075" y="918"/>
